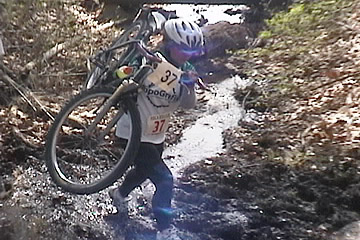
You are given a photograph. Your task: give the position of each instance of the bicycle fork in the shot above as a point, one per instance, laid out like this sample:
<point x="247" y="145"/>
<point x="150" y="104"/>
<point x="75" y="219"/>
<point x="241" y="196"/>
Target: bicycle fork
<point x="126" y="86"/>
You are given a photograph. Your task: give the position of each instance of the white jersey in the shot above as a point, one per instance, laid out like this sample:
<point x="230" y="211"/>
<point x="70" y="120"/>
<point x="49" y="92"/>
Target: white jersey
<point x="156" y="104"/>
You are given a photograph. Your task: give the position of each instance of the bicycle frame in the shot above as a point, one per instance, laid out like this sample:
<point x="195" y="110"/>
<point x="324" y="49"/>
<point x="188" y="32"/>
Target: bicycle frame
<point x="148" y="21"/>
<point x="128" y="86"/>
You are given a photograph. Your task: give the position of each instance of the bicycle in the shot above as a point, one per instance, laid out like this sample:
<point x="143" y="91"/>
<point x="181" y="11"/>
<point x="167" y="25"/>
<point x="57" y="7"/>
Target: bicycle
<point x="81" y="153"/>
<point x="147" y="22"/>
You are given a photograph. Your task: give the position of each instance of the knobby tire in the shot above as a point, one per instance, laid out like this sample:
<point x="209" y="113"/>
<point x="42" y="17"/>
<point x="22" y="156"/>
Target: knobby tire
<point x="77" y="160"/>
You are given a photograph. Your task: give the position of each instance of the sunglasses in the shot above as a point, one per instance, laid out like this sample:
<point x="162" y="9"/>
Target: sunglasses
<point x="189" y="52"/>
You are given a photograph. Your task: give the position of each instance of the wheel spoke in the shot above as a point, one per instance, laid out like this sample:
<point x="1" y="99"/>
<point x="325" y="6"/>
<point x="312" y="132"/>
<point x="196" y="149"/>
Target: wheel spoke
<point x="84" y="159"/>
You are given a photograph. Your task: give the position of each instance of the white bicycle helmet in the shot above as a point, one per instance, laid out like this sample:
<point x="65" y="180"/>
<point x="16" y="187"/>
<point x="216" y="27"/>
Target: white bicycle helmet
<point x="182" y="31"/>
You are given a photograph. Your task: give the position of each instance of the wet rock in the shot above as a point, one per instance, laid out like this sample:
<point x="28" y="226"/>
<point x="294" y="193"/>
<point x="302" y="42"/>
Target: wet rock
<point x="202" y="200"/>
<point x="324" y="207"/>
<point x="87" y="232"/>
<point x="224" y="36"/>
<point x="306" y="193"/>
<point x="349" y="232"/>
<point x="351" y="197"/>
<point x="5" y="188"/>
<point x="225" y="225"/>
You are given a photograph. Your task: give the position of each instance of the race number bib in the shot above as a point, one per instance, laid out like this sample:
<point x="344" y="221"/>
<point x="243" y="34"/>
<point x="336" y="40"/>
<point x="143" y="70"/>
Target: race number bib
<point x="165" y="75"/>
<point x="158" y="123"/>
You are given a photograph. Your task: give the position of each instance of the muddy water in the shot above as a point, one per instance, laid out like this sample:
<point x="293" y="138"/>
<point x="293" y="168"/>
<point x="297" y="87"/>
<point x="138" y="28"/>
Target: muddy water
<point x="42" y="205"/>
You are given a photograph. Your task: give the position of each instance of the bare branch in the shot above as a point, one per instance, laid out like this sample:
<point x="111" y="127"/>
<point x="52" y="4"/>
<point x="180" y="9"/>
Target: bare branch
<point x="16" y="86"/>
<point x="24" y="94"/>
<point x="52" y="52"/>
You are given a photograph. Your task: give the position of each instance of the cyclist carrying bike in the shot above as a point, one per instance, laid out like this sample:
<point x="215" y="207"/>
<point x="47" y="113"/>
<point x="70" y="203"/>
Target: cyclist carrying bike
<point x="182" y="40"/>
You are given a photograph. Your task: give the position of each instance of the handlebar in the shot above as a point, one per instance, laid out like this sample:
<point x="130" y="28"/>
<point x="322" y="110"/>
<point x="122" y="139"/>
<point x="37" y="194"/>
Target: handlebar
<point x="140" y="47"/>
<point x="143" y="51"/>
<point x="152" y="57"/>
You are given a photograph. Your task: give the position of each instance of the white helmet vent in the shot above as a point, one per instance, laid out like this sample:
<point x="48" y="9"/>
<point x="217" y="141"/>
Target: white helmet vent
<point x="182" y="31"/>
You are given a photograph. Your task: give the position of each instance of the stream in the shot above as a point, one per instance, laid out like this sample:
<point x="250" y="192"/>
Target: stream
<point x="204" y="138"/>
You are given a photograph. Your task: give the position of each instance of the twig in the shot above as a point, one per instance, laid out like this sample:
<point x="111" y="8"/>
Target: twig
<point x="53" y="51"/>
<point x="24" y="93"/>
<point x="243" y="102"/>
<point x="6" y="77"/>
<point x="334" y="81"/>
<point x="63" y="74"/>
<point x="6" y="70"/>
<point x="42" y="106"/>
<point x="19" y="134"/>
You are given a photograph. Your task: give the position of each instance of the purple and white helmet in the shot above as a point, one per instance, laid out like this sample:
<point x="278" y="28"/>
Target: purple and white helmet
<point x="182" y="31"/>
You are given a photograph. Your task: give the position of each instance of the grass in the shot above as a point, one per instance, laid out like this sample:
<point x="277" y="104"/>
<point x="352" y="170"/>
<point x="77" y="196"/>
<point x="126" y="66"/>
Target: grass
<point x="297" y="41"/>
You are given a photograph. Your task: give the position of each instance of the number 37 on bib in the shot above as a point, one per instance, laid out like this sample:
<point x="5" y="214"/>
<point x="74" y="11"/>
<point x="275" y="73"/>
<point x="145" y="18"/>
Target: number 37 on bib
<point x="157" y="124"/>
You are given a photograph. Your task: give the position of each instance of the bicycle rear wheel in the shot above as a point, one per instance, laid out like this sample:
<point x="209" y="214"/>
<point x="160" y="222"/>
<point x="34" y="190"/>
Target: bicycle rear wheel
<point x="83" y="157"/>
<point x="118" y="57"/>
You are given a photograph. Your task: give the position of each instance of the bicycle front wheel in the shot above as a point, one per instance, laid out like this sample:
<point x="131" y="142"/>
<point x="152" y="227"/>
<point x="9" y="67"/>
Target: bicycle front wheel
<point x="82" y="153"/>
